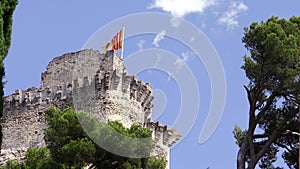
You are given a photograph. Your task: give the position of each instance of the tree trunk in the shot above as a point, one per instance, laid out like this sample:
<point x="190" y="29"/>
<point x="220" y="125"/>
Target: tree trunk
<point x="252" y="164"/>
<point x="241" y="160"/>
<point x="241" y="157"/>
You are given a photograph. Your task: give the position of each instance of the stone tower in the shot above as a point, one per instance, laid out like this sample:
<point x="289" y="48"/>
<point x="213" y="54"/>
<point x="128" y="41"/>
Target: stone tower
<point x="86" y="80"/>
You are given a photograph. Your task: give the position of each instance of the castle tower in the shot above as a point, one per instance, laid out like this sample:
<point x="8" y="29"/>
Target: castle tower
<point x="86" y="80"/>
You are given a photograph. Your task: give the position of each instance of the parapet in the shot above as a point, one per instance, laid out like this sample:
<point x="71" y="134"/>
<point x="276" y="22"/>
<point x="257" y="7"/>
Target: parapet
<point x="86" y="80"/>
<point x="163" y="135"/>
<point x="23" y="100"/>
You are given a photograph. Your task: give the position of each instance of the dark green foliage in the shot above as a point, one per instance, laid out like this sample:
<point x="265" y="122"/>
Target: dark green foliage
<point x="68" y="143"/>
<point x="287" y="141"/>
<point x="14" y="165"/>
<point x="7" y="8"/>
<point x="40" y="159"/>
<point x="155" y="163"/>
<point x="71" y="147"/>
<point x="78" y="152"/>
<point x="273" y="69"/>
<point x="36" y="158"/>
<point x="274" y="60"/>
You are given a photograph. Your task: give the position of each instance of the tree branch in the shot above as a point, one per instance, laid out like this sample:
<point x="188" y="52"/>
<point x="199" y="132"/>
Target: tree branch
<point x="269" y="103"/>
<point x="260" y="136"/>
<point x="284" y="146"/>
<point x="242" y="154"/>
<point x="251" y="129"/>
<point x="276" y="134"/>
<point x="248" y="95"/>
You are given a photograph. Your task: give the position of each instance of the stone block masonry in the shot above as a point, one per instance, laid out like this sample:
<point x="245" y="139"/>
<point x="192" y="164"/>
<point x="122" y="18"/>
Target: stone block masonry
<point x="86" y="80"/>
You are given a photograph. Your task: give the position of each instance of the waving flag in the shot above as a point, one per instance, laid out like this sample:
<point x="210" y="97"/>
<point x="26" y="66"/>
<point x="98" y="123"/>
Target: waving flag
<point x="116" y="43"/>
<point x="106" y="46"/>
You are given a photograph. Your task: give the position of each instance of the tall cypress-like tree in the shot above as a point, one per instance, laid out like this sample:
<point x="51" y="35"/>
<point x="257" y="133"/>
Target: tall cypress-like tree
<point x="7" y="8"/>
<point x="273" y="70"/>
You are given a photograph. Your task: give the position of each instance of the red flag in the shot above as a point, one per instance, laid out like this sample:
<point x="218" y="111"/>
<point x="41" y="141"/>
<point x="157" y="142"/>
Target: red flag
<point x="121" y="38"/>
<point x="117" y="40"/>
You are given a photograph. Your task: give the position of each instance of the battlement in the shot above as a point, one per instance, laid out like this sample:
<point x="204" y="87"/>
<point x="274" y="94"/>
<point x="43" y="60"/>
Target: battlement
<point x="163" y="135"/>
<point x="40" y="98"/>
<point x="85" y="80"/>
<point x="128" y="87"/>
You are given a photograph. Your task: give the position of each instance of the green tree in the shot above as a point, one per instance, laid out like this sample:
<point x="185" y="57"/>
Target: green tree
<point x="71" y="147"/>
<point x="36" y="158"/>
<point x="273" y="70"/>
<point x="7" y="8"/>
<point x="14" y="165"/>
<point x="155" y="163"/>
<point x="66" y="140"/>
<point x="39" y="158"/>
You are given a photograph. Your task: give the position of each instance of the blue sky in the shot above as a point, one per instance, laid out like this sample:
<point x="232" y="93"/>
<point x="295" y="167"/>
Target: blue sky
<point x="43" y="30"/>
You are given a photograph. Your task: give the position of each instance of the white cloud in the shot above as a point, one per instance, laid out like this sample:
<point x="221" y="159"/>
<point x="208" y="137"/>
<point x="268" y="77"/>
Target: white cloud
<point x="157" y="61"/>
<point x="181" y="8"/>
<point x="141" y="44"/>
<point x="170" y="75"/>
<point x="230" y="16"/>
<point x="175" y="22"/>
<point x="186" y="55"/>
<point x="158" y="38"/>
<point x="179" y="63"/>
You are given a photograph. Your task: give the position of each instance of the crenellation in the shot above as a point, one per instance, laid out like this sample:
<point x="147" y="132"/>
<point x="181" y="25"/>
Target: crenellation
<point x="33" y="97"/>
<point x="133" y="88"/>
<point x="163" y="135"/>
<point x="140" y="91"/>
<point x="114" y="81"/>
<point x="106" y="80"/>
<point x="86" y="80"/>
<point x="146" y="97"/>
<point x="126" y="80"/>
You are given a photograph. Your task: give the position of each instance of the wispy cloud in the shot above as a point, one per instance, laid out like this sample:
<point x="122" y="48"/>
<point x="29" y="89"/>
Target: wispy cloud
<point x="180" y="8"/>
<point x="179" y="63"/>
<point x="140" y="44"/>
<point x="186" y="55"/>
<point x="229" y="17"/>
<point x="157" y="61"/>
<point x="170" y="75"/>
<point x="175" y="22"/>
<point x="158" y="38"/>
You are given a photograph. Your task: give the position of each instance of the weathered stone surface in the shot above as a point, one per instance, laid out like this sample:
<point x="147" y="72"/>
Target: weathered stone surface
<point x="88" y="81"/>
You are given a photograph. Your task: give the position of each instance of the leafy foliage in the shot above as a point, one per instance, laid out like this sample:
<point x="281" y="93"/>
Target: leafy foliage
<point x="14" y="165"/>
<point x="70" y="146"/>
<point x="39" y="158"/>
<point x="157" y="163"/>
<point x="273" y="70"/>
<point x="64" y="132"/>
<point x="7" y="8"/>
<point x="239" y="135"/>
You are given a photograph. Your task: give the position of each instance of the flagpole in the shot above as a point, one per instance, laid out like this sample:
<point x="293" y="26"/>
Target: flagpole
<point x="123" y="35"/>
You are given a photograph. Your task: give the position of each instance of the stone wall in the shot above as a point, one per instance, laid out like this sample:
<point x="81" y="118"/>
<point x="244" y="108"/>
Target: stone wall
<point x="70" y="66"/>
<point x="87" y="81"/>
